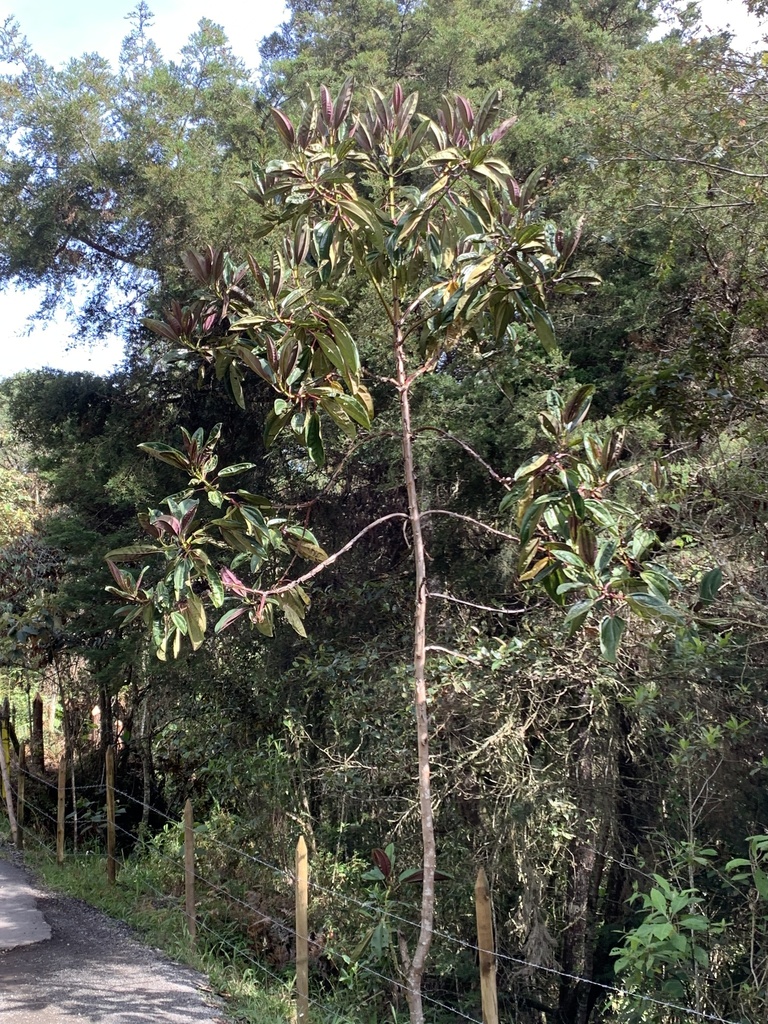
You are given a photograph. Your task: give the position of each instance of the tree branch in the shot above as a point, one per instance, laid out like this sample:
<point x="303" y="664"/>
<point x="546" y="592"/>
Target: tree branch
<point x="284" y="588"/>
<point x="132" y="260"/>
<point x="334" y="476"/>
<point x="469" y="519"/>
<point x="480" y="607"/>
<point x="505" y="481"/>
<point x="453" y="654"/>
<point x="657" y="158"/>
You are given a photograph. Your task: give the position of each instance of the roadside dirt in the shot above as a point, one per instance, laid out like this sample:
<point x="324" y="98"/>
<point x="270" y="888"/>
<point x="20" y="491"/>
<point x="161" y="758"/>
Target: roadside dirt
<point x="92" y="969"/>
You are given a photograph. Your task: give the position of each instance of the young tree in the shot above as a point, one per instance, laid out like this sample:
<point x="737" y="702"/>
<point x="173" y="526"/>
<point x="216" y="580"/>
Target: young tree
<point x="420" y="213"/>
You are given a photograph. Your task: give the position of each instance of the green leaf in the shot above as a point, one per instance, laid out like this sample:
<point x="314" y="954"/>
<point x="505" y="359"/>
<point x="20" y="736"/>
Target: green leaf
<point x="606" y="551"/>
<point x="265" y="625"/>
<point x="642" y="539"/>
<point x="276" y="421"/>
<point x="611" y="629"/>
<point x="761" y="881"/>
<point x="577" y="406"/>
<point x="658" y="900"/>
<point x="577" y="615"/>
<point x="180" y="574"/>
<point x="314" y="440"/>
<point x="694" y="923"/>
<point x="355" y="409"/>
<point x="380" y="939"/>
<point x="216" y="586"/>
<point x="569" y="557"/>
<point x="165" y="453"/>
<point x="293" y="619"/>
<point x="133" y="552"/>
<point x="179" y="622"/>
<point x="710" y="585"/>
<point x="738" y="862"/>
<point x="652" y="607"/>
<point x="196" y="620"/>
<point x="239" y="467"/>
<point x="235" y="382"/>
<point x="373" y="875"/>
<point x="332" y="407"/>
<point x="306" y="549"/>
<point x="532" y="466"/>
<point x="544" y="330"/>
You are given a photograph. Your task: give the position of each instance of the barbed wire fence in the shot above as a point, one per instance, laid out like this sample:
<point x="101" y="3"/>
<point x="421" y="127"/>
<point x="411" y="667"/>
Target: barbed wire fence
<point x="224" y="896"/>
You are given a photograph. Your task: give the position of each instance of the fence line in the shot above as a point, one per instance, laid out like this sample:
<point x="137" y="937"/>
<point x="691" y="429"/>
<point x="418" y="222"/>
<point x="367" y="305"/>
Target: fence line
<point x="479" y="949"/>
<point x="518" y="961"/>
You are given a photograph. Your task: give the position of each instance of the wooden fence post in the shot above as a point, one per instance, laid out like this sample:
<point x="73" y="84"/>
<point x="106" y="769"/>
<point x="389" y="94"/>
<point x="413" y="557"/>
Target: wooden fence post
<point x="485" y="945"/>
<point x="60" y="807"/>
<point x="5" y="775"/>
<point x="302" y="938"/>
<point x="20" y="787"/>
<point x="110" y="772"/>
<point x="189" y="871"/>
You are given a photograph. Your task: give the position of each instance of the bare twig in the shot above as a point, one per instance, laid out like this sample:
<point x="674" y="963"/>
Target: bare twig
<point x="505" y="481"/>
<point x="285" y="587"/>
<point x="335" y="475"/>
<point x="658" y="158"/>
<point x="480" y="607"/>
<point x="453" y="654"/>
<point x="469" y="519"/>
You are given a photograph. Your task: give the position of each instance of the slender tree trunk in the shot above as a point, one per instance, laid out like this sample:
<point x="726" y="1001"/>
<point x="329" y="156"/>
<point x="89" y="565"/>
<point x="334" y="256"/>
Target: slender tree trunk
<point x="414" y="965"/>
<point x="105" y="719"/>
<point x="37" y="743"/>
<point x="145" y="746"/>
<point x="69" y="750"/>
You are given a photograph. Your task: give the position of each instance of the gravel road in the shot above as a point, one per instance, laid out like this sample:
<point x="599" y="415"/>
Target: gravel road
<point x="92" y="969"/>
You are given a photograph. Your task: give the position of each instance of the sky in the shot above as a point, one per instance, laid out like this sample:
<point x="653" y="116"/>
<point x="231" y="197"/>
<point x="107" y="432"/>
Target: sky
<point x="60" y="29"/>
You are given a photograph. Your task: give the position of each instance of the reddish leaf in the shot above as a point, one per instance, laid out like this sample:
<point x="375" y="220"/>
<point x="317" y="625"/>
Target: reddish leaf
<point x="465" y="112"/>
<point x="228" y="618"/>
<point x="197" y="265"/>
<point x="284" y="126"/>
<point x="231" y="582"/>
<point x="164" y="330"/>
<point x="326" y="105"/>
<point x="343" y="103"/>
<point x="503" y="128"/>
<point x="382" y="862"/>
<point x="168" y="523"/>
<point x="118" y="575"/>
<point x="417" y="875"/>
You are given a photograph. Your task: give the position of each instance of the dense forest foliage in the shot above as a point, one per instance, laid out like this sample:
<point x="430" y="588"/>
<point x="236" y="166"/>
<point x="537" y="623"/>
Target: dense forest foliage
<point x="461" y="551"/>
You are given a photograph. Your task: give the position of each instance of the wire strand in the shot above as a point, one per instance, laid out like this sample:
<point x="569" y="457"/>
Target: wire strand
<point x="349" y="900"/>
<point x="616" y="990"/>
